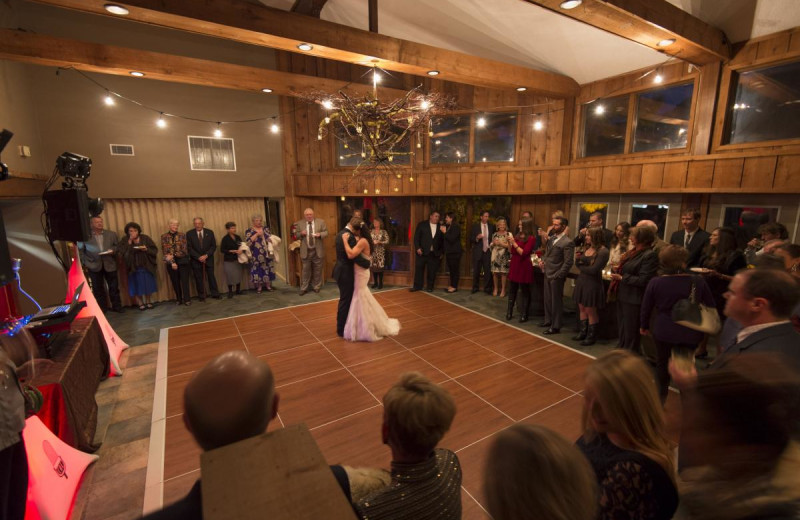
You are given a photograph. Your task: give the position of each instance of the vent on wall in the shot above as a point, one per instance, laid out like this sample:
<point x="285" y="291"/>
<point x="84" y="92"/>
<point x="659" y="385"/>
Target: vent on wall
<point x="212" y="153"/>
<point x="121" y="149"/>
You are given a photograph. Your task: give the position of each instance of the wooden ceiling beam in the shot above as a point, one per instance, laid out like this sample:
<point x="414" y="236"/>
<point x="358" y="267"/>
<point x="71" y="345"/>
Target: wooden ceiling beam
<point x="648" y="22"/>
<point x="309" y="7"/>
<point x="246" y="22"/>
<point x="120" y="61"/>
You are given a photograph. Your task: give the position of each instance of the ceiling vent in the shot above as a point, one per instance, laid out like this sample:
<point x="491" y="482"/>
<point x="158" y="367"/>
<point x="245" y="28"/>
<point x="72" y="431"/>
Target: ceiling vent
<point x="121" y="149"/>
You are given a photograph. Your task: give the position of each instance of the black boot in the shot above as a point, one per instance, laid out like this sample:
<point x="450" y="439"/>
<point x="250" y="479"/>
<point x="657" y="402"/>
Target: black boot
<point x="238" y="288"/>
<point x="380" y="280"/>
<point x="510" y="311"/>
<point x="230" y="291"/>
<point x="582" y="333"/>
<point x="591" y="335"/>
<point x="526" y="300"/>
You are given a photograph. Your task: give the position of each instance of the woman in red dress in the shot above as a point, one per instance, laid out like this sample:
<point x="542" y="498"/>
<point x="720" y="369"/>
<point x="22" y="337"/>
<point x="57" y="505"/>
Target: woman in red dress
<point x="520" y="273"/>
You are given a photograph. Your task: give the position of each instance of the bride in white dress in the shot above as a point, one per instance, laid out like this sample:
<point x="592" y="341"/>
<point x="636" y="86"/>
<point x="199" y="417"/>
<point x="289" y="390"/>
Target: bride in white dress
<point x="366" y="321"/>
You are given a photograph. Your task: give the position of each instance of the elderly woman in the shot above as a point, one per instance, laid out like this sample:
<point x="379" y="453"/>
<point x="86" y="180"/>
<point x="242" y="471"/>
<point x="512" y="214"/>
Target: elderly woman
<point x="662" y="294"/>
<point x="589" y="292"/>
<point x="176" y="260"/>
<point x="380" y="239"/>
<point x="625" y="440"/>
<point x="139" y="253"/>
<point x="628" y="283"/>
<point x="501" y="257"/>
<point x="261" y="270"/>
<point x="229" y="245"/>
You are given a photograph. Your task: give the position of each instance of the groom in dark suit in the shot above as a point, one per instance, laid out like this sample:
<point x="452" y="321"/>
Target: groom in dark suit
<point x="343" y="272"/>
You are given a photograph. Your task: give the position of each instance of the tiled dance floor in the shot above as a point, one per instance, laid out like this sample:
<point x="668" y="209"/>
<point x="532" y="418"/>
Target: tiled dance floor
<point x="497" y="374"/>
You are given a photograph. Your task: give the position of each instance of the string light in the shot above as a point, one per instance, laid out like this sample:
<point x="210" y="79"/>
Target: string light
<point x="274" y="128"/>
<point x="599" y="110"/>
<point x="109" y="100"/>
<point x="481" y="122"/>
<point x="218" y="130"/>
<point x="161" y="123"/>
<point x="658" y="79"/>
<point x="538" y="125"/>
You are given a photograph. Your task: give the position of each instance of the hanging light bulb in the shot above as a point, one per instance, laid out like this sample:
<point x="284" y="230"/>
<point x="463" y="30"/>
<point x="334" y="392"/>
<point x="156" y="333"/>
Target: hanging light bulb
<point x="274" y="128"/>
<point x="218" y="131"/>
<point x="161" y="123"/>
<point x="658" y="79"/>
<point x="599" y="110"/>
<point x="481" y="122"/>
<point x="425" y="105"/>
<point x="342" y="197"/>
<point x="377" y="191"/>
<point x="366" y="191"/>
<point x="396" y="188"/>
<point x="109" y="99"/>
<point x="538" y="125"/>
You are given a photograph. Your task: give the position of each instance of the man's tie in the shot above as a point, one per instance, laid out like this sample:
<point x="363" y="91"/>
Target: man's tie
<point x="485" y="232"/>
<point x="686" y="239"/>
<point x="200" y="236"/>
<point x="310" y="234"/>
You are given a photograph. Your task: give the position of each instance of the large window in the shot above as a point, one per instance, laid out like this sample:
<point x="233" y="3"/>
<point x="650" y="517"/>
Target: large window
<point x="604" y="125"/>
<point x="452" y="142"/>
<point x="394" y="214"/>
<point x="766" y="105"/>
<point x="662" y="118"/>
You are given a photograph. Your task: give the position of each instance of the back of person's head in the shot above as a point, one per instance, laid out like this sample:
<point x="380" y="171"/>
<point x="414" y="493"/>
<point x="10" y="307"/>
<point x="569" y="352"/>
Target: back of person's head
<point x="417" y="414"/>
<point x="644" y="235"/>
<point x="597" y="236"/>
<point x="526" y="227"/>
<point x="769" y="262"/>
<point x="230" y="399"/>
<point x="648" y="224"/>
<point x="356" y="222"/>
<point x="534" y="472"/>
<point x="751" y="404"/>
<point x="624" y="387"/>
<point x="775" y="286"/>
<point x="774" y="229"/>
<point x="673" y="259"/>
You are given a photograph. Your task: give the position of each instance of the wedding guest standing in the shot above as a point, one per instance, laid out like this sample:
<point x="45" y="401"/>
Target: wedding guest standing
<point x="501" y="257"/>
<point x="139" y="253"/>
<point x="590" y="294"/>
<point x="176" y="259"/>
<point x="559" y="255"/>
<point x="480" y="237"/>
<point x="452" y="249"/>
<point x="229" y="245"/>
<point x="380" y="239"/>
<point x="520" y="272"/>
<point x="100" y="260"/>
<point x="692" y="237"/>
<point x="620" y="244"/>
<point x="312" y="232"/>
<point x="261" y="271"/>
<point x="202" y="245"/>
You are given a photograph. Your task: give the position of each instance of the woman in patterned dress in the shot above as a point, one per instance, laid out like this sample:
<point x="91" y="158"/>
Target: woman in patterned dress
<point x="380" y="239"/>
<point x="261" y="271"/>
<point x="501" y="257"/>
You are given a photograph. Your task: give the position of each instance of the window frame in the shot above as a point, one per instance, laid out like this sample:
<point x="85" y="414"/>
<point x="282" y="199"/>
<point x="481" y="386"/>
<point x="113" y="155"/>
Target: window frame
<point x="471" y="163"/>
<point x="191" y="161"/>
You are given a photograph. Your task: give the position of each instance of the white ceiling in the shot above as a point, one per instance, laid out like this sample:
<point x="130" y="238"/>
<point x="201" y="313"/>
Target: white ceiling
<point x="514" y="31"/>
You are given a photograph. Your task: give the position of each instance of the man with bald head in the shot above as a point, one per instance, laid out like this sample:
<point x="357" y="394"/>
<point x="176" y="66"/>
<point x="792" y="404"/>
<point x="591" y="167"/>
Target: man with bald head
<point x="230" y="399"/>
<point x="658" y="244"/>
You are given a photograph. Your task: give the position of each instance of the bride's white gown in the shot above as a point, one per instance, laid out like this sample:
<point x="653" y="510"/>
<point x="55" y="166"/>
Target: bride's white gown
<point x="367" y="321"/>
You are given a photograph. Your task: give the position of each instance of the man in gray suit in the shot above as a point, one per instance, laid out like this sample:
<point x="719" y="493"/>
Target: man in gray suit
<point x="99" y="258"/>
<point x="559" y="255"/>
<point x="311" y="231"/>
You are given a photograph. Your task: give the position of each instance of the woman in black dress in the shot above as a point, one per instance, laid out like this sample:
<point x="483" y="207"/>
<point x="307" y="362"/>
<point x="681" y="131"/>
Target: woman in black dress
<point x="229" y="245"/>
<point x="589" y="293"/>
<point x="452" y="249"/>
<point x="625" y="440"/>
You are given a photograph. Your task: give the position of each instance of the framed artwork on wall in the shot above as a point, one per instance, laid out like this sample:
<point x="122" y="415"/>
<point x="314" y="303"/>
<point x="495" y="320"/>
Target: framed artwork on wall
<point x="585" y="209"/>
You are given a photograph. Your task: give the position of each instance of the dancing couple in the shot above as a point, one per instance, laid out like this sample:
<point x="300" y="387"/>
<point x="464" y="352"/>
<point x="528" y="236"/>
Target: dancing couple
<point x="360" y="317"/>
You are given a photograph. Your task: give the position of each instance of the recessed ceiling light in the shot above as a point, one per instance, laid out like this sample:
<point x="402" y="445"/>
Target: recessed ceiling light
<point x="116" y="9"/>
<point x="570" y="4"/>
<point x="305" y="46"/>
<point x="433" y="73"/>
<point x="266" y="90"/>
<point x="137" y="73"/>
<point x="522" y="89"/>
<point x="666" y="43"/>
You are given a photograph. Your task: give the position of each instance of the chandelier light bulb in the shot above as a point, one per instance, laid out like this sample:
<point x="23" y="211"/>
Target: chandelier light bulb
<point x="366" y="191"/>
<point x="161" y="123"/>
<point x="327" y="104"/>
<point x="376" y="78"/>
<point x="425" y="105"/>
<point x="419" y="145"/>
<point x="411" y="179"/>
<point x="396" y="188"/>
<point x="377" y="191"/>
<point x="538" y="125"/>
<point x="109" y="100"/>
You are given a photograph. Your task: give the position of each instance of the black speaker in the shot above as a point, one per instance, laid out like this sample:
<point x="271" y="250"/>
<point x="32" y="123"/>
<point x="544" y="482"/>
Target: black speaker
<point x="68" y="215"/>
<point x="6" y="273"/>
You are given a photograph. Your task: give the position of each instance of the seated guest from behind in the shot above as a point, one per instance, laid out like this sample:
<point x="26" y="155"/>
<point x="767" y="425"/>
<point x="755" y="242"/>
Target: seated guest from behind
<point x="426" y="481"/>
<point x="625" y="440"/>
<point x="230" y="399"/>
<point x="533" y="472"/>
<point x="662" y="293"/>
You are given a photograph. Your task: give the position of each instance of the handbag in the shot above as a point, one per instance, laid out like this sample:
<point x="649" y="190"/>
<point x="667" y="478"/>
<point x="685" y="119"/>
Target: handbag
<point x="696" y="316"/>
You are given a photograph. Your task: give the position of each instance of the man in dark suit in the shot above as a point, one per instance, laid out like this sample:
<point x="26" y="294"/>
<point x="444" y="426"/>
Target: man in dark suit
<point x="481" y="239"/>
<point x="595" y="221"/>
<point x="691" y="237"/>
<point x="762" y="302"/>
<point x="98" y="257"/>
<point x="202" y="244"/>
<point x="428" y="245"/>
<point x="343" y="274"/>
<point x="559" y="255"/>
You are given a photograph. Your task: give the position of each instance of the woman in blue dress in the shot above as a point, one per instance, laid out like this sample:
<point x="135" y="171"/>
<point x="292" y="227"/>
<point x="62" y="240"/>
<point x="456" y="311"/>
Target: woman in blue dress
<point x="261" y="270"/>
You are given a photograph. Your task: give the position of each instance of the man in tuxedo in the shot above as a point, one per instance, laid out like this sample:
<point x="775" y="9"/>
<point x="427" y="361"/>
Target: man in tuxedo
<point x="343" y="272"/>
<point x="428" y="246"/>
<point x="312" y="231"/>
<point x="595" y="221"/>
<point x="481" y="239"/>
<point x="559" y="255"/>
<point x="691" y="237"/>
<point x="99" y="258"/>
<point x="202" y="244"/>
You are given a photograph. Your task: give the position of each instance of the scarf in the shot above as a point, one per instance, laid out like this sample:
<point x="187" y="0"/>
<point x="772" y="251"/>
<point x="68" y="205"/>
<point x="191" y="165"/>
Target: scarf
<point x="629" y="255"/>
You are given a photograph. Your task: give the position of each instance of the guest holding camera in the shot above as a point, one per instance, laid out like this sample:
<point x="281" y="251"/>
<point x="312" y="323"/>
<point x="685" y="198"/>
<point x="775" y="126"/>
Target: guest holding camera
<point x="176" y="259"/>
<point x="590" y="294"/>
<point x="139" y="253"/>
<point x="229" y="245"/>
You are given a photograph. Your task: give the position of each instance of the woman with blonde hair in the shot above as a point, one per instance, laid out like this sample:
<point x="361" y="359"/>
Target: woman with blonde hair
<point x="533" y="472"/>
<point x="625" y="439"/>
<point x="501" y="257"/>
